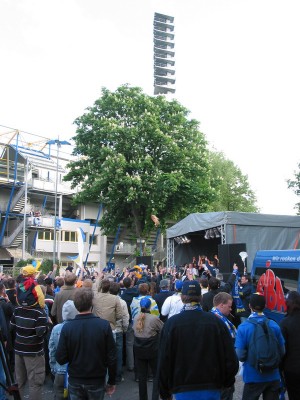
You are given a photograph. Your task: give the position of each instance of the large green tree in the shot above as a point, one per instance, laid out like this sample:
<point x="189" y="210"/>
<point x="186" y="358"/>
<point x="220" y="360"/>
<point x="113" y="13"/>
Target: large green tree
<point x="294" y="184"/>
<point x="140" y="155"/>
<point x="232" y="191"/>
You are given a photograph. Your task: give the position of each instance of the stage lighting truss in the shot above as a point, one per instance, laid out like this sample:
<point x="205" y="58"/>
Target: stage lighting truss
<point x="213" y="233"/>
<point x="182" y="239"/>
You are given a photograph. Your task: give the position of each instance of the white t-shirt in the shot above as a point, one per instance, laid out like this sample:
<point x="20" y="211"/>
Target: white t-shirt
<point x="172" y="305"/>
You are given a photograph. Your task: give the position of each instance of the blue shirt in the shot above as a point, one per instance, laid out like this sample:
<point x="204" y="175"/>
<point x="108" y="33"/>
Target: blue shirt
<point x="244" y="332"/>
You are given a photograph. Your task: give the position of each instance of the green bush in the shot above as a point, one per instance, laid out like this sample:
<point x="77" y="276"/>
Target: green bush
<point x="22" y="263"/>
<point x="45" y="267"/>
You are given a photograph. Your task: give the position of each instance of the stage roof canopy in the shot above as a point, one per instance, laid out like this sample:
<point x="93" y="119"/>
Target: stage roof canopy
<point x="257" y="231"/>
<point x="201" y="221"/>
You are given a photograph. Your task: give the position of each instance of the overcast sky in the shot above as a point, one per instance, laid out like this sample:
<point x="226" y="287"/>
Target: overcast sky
<point x="237" y="71"/>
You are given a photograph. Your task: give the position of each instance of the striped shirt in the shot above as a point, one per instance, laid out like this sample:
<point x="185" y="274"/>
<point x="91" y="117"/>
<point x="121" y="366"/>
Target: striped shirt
<point x="30" y="325"/>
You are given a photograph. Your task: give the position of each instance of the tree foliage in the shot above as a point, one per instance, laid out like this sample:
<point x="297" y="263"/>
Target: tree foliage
<point x="140" y="155"/>
<point x="231" y="188"/>
<point x="294" y="184"/>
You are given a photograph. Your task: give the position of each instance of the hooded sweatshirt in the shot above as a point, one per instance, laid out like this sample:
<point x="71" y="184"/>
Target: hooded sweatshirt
<point x="68" y="312"/>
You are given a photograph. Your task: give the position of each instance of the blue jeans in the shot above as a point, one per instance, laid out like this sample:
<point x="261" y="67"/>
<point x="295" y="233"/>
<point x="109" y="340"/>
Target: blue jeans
<point x="269" y="390"/>
<point x="119" y="345"/>
<point x="86" y="392"/>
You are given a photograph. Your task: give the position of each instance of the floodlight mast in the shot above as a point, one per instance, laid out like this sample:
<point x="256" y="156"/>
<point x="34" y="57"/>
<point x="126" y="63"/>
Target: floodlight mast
<point x="58" y="143"/>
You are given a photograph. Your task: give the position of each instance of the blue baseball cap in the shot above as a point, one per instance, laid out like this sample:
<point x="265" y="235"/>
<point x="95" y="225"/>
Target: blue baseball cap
<point x="178" y="285"/>
<point x="145" y="303"/>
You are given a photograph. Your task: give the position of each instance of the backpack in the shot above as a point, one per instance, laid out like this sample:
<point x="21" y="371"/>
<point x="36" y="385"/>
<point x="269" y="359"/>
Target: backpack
<point x="263" y="351"/>
<point x="25" y="297"/>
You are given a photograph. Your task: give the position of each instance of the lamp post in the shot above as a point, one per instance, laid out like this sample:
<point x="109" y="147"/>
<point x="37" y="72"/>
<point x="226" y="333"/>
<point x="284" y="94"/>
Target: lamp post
<point x="58" y="143"/>
<point x="25" y="210"/>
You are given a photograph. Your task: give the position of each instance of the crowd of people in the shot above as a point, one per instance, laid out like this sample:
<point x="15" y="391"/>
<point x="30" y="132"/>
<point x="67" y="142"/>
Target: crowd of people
<point x="183" y="330"/>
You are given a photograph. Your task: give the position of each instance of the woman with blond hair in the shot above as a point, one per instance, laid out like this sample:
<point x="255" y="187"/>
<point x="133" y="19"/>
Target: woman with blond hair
<point x="146" y="339"/>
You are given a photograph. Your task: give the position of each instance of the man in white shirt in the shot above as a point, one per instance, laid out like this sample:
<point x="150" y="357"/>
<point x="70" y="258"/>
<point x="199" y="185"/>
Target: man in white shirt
<point x="173" y="304"/>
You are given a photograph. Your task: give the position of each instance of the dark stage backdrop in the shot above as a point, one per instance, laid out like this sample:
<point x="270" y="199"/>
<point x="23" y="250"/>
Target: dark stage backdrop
<point x="229" y="254"/>
<point x="184" y="253"/>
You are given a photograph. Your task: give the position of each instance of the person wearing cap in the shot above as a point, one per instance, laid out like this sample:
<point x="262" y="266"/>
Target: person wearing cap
<point x="59" y="371"/>
<point x="256" y="383"/>
<point x="29" y="323"/>
<point x="135" y="308"/>
<point x="29" y="293"/>
<point x="163" y="294"/>
<point x="173" y="304"/>
<point x="196" y="354"/>
<point x="146" y="329"/>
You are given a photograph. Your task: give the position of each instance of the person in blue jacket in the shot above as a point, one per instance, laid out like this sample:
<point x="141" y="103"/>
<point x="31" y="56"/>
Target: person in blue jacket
<point x="255" y="382"/>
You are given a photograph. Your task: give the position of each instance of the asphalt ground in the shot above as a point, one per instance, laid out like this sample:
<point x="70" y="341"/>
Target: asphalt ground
<point x="129" y="390"/>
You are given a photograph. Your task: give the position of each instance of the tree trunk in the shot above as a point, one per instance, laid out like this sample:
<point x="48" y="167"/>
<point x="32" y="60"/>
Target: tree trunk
<point x="137" y="221"/>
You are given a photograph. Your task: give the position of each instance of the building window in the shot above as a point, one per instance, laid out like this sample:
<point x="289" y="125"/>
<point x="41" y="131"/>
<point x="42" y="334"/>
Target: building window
<point x="45" y="235"/>
<point x="69" y="236"/>
<point x="94" y="240"/>
<point x="66" y="264"/>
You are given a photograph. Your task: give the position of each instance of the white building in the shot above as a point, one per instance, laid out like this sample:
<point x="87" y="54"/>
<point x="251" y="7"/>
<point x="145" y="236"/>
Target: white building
<point x="32" y="187"/>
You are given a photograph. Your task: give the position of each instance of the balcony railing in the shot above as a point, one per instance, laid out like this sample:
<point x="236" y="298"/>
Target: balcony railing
<point x="40" y="221"/>
<point x="49" y="186"/>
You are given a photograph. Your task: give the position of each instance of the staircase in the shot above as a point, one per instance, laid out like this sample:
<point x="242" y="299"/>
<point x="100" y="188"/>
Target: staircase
<point x="18" y="203"/>
<point x="15" y="238"/>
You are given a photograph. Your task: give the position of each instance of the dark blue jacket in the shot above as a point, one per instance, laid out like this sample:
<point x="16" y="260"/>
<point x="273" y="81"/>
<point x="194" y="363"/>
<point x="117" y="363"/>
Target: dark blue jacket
<point x="196" y="353"/>
<point x="127" y="296"/>
<point x="87" y="344"/>
<point x="160" y="299"/>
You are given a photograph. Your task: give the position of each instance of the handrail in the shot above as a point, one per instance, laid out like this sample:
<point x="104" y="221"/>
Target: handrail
<point x="7" y="241"/>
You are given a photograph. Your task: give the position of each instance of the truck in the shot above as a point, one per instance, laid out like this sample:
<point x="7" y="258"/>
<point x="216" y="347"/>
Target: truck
<point x="274" y="271"/>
